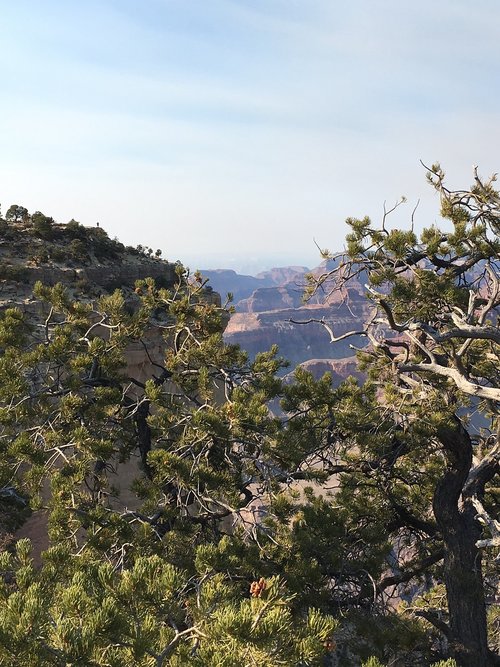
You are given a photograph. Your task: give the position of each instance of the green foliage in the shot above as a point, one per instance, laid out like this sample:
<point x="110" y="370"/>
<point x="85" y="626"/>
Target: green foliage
<point x="372" y="662"/>
<point x="59" y="254"/>
<point x="13" y="272"/>
<point x="76" y="230"/>
<point x="77" y="250"/>
<point x="175" y="585"/>
<point x="42" y="225"/>
<point x="38" y="253"/>
<point x="17" y="213"/>
<point x="102" y="246"/>
<point x="82" y="611"/>
<point x="268" y="521"/>
<point x="415" y="442"/>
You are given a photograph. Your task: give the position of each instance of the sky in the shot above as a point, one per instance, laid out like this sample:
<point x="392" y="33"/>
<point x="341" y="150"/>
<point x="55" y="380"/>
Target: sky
<point x="240" y="133"/>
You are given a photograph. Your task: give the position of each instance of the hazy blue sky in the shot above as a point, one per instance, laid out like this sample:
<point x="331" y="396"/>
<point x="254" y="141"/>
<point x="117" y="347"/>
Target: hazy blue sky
<point x="228" y="132"/>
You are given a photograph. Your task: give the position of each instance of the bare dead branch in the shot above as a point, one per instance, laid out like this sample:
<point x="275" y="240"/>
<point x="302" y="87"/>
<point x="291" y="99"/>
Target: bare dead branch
<point x="327" y="327"/>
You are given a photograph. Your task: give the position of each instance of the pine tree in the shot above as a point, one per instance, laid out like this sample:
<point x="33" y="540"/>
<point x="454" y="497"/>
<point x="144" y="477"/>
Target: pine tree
<point x="270" y="521"/>
<point x="179" y="577"/>
<point x="421" y="436"/>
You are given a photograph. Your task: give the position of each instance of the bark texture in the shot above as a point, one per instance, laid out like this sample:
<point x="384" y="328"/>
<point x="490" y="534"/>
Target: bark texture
<point x="462" y="559"/>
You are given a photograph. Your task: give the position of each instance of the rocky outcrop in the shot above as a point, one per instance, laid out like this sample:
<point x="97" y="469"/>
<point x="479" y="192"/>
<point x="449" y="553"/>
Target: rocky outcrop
<point x="84" y="259"/>
<point x="105" y="275"/>
<point x="257" y="332"/>
<point x="283" y="275"/>
<point x="268" y="299"/>
<point x="88" y="263"/>
<point x="272" y="315"/>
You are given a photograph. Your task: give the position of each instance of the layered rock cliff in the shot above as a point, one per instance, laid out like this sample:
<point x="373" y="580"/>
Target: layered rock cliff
<point x="241" y="286"/>
<point x="84" y="259"/>
<point x="273" y="315"/>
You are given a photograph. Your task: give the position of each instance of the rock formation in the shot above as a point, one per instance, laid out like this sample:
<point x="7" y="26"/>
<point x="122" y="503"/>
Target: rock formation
<point x="240" y="286"/>
<point x="270" y="315"/>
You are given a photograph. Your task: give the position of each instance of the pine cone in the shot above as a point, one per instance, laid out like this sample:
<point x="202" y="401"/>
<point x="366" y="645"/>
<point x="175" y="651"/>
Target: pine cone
<point x="256" y="587"/>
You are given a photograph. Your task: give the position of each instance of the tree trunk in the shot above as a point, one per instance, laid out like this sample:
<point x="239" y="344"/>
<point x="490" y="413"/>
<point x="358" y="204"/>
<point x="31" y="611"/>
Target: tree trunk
<point x="465" y="594"/>
<point x="462" y="561"/>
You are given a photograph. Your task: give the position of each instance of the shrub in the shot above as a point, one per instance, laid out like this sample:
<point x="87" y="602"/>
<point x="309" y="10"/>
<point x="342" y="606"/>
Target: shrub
<point x="103" y="246"/>
<point x="77" y="250"/>
<point x="75" y="230"/>
<point x="42" y="225"/>
<point x="38" y="253"/>
<point x="16" y="273"/>
<point x="59" y="254"/>
<point x="17" y="213"/>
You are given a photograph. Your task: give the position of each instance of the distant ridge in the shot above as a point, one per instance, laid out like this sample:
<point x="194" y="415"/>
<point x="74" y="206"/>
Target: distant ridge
<point x="242" y="286"/>
<point x="266" y="304"/>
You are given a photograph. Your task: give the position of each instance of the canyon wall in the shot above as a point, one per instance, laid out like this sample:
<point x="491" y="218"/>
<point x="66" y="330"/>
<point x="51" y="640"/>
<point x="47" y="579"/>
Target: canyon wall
<point x="277" y="314"/>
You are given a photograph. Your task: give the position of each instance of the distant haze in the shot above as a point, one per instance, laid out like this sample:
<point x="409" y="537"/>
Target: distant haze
<point x="251" y="265"/>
